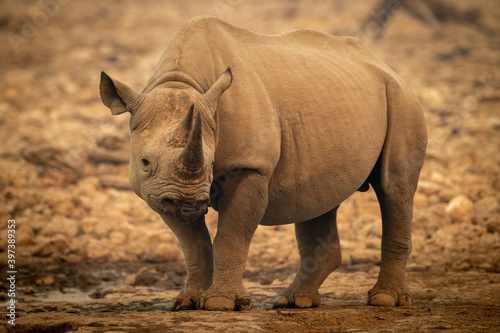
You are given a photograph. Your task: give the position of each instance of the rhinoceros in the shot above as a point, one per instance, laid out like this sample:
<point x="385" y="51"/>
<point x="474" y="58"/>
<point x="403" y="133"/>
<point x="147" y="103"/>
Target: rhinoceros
<point x="271" y="130"/>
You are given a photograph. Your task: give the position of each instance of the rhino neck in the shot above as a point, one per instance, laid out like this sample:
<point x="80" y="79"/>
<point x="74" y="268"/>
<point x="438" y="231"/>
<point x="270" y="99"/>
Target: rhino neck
<point x="173" y="77"/>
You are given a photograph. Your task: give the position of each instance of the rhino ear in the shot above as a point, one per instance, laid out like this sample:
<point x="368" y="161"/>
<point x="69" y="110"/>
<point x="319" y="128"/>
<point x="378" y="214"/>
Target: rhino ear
<point x="222" y="84"/>
<point x="118" y="96"/>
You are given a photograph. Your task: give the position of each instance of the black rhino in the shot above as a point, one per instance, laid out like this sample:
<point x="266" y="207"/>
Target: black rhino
<point x="294" y="125"/>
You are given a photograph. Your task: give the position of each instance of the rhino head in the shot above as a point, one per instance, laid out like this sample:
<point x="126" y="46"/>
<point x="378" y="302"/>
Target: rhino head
<point x="172" y="143"/>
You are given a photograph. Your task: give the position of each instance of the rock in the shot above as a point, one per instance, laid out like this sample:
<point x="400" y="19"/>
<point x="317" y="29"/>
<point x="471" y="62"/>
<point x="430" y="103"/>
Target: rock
<point x="485" y="208"/>
<point x="367" y="226"/>
<point x="371" y="207"/>
<point x="454" y="229"/>
<point x="87" y="186"/>
<point x="428" y="188"/>
<point x="493" y="224"/>
<point x="420" y="201"/>
<point x="55" y="246"/>
<point x="127" y="288"/>
<point x="364" y="257"/>
<point x="51" y="157"/>
<point x="102" y="229"/>
<point x="117" y="238"/>
<point x="461" y="266"/>
<point x="163" y="252"/>
<point x="130" y="280"/>
<point x="146" y="277"/>
<point x="117" y="182"/>
<point x="25" y="236"/>
<point x="74" y="258"/>
<point x="29" y="290"/>
<point x="477" y="192"/>
<point x="433" y="97"/>
<point x="98" y="251"/>
<point x="460" y="208"/>
<point x="447" y="195"/>
<point x="138" y="248"/>
<point x="88" y="224"/>
<point x="119" y="254"/>
<point x="79" y="244"/>
<point x="60" y="225"/>
<point x="438" y="178"/>
<point x="45" y="281"/>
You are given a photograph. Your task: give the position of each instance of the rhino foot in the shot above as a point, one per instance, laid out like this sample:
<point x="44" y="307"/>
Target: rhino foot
<point x="186" y="301"/>
<point x="299" y="300"/>
<point x="381" y="297"/>
<point x="214" y="300"/>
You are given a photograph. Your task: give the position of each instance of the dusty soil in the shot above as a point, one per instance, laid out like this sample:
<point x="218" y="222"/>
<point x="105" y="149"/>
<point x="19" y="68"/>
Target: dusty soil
<point x="92" y="257"/>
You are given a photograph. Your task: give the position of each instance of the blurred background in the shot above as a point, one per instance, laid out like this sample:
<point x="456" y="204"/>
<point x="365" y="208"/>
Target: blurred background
<point x="64" y="158"/>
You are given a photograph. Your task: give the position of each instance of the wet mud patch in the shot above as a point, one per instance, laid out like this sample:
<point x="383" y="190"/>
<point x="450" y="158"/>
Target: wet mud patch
<point x="455" y="305"/>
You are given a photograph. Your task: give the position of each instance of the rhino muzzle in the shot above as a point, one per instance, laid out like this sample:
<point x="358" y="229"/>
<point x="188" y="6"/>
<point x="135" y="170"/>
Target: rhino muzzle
<point x="188" y="210"/>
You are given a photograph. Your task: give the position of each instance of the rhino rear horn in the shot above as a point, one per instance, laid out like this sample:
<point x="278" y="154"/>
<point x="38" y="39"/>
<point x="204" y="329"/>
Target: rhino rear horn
<point x="191" y="158"/>
<point x="222" y="84"/>
<point x="118" y="96"/>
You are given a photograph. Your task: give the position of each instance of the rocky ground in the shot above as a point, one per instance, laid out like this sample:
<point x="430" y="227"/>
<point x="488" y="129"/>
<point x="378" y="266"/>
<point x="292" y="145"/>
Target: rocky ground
<point x="92" y="257"/>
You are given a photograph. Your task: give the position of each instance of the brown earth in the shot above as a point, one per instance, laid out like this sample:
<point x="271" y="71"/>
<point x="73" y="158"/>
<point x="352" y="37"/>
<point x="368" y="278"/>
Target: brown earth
<point x="92" y="257"/>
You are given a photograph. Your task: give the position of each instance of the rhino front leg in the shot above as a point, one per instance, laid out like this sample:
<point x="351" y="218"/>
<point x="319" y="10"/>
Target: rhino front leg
<point x="197" y="248"/>
<point x="242" y="204"/>
<point x="319" y="247"/>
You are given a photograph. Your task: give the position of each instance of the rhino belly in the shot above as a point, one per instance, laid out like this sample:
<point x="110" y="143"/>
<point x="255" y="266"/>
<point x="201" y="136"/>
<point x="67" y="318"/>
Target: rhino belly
<point x="322" y="163"/>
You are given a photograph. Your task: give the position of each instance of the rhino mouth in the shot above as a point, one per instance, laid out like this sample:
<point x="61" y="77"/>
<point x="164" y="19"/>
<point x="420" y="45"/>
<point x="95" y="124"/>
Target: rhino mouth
<point x="188" y="210"/>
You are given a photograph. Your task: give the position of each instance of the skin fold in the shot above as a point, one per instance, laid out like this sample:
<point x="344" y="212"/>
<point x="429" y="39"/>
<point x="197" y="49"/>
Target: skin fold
<point x="270" y="130"/>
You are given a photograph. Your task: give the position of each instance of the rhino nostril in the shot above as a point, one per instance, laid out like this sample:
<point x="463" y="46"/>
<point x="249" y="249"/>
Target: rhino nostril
<point x="165" y="201"/>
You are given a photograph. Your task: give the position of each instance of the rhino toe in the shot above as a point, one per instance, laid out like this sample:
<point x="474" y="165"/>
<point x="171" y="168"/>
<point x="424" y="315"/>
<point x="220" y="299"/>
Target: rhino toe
<point x="181" y="304"/>
<point x="405" y="300"/>
<point x="244" y="303"/>
<point x="304" y="302"/>
<point x="218" y="304"/>
<point x="382" y="299"/>
<point x="225" y="304"/>
<point x="297" y="301"/>
<point x="386" y="299"/>
<point x="280" y="302"/>
<point x="217" y="300"/>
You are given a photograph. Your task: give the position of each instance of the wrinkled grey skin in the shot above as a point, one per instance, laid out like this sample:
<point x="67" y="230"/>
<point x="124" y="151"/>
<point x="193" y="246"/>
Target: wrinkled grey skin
<point x="298" y="123"/>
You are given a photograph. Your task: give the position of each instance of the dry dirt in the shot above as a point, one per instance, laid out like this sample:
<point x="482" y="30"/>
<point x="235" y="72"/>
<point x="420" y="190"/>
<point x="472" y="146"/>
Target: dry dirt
<point x="92" y="257"/>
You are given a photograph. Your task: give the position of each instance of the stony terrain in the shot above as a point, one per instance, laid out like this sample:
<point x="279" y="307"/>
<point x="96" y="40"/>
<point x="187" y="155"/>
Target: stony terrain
<point x="92" y="257"/>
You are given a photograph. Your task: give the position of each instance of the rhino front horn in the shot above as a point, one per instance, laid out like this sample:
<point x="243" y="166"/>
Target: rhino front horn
<point x="191" y="157"/>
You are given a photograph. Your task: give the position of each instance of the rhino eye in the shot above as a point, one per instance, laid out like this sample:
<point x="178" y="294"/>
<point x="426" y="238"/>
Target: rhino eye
<point x="145" y="163"/>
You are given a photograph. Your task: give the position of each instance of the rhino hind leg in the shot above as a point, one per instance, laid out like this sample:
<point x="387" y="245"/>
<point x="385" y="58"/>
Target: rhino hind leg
<point x="391" y="287"/>
<point x="395" y="190"/>
<point x="395" y="179"/>
<point x="320" y="254"/>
